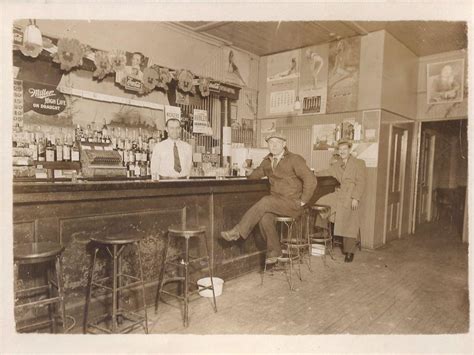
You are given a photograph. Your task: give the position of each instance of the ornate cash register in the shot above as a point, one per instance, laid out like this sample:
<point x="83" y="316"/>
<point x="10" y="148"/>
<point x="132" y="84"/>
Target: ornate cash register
<point x="100" y="160"/>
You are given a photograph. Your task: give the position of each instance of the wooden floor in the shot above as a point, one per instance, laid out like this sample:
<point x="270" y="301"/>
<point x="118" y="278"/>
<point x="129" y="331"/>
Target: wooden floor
<point x="415" y="285"/>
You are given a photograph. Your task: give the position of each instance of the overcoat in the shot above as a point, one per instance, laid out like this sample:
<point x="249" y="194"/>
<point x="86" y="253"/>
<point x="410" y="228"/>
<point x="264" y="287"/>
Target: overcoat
<point x="352" y="179"/>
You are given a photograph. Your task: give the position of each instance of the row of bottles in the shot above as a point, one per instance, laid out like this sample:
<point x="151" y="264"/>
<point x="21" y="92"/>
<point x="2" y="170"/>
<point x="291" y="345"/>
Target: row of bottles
<point x="134" y="146"/>
<point x="138" y="168"/>
<point x="349" y="131"/>
<point x="51" y="148"/>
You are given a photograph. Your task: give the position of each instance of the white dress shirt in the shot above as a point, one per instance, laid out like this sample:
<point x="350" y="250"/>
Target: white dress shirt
<point x="162" y="159"/>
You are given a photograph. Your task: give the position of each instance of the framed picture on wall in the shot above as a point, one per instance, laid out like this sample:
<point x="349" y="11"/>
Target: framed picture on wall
<point x="445" y="82"/>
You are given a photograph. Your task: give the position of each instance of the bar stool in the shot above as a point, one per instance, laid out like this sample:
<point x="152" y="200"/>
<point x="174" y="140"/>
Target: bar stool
<point x="114" y="246"/>
<point x="325" y="239"/>
<point x="291" y="249"/>
<point x="182" y="261"/>
<point x="42" y="253"/>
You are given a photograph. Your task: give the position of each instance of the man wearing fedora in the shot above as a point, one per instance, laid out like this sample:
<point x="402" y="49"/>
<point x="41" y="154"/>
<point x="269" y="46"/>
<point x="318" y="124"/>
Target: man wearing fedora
<point x="344" y="202"/>
<point x="291" y="186"/>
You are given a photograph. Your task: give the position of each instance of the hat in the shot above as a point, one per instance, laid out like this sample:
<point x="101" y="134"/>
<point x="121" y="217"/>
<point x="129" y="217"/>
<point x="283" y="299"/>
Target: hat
<point x="344" y="141"/>
<point x="278" y="135"/>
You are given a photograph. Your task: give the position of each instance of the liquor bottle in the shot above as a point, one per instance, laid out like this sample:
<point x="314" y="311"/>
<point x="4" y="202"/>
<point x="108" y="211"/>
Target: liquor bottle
<point x="49" y="150"/>
<point x="130" y="169"/>
<point x="137" y="169"/>
<point x="132" y="155"/>
<point x="148" y="168"/>
<point x="67" y="148"/>
<point x="89" y="134"/>
<point x="143" y="169"/>
<point x="105" y="133"/>
<point x="78" y="133"/>
<point x="33" y="145"/>
<point x="59" y="150"/>
<point x="75" y="152"/>
<point x="41" y="149"/>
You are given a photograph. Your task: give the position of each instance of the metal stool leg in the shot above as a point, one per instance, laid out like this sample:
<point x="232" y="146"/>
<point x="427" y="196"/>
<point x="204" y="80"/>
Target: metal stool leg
<point x="186" y="280"/>
<point x="114" y="289"/>
<point x="137" y="244"/>
<point x="61" y="294"/>
<point x="162" y="273"/>
<point x="89" y="292"/>
<point x="51" y="306"/>
<point x="308" y="241"/>
<point x="210" y="265"/>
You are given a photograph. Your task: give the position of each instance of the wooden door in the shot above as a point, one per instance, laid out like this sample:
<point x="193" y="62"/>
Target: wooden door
<point x="397" y="158"/>
<point x="425" y="177"/>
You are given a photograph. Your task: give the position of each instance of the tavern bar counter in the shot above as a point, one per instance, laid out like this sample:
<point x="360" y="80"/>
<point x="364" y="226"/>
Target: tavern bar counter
<point x="71" y="213"/>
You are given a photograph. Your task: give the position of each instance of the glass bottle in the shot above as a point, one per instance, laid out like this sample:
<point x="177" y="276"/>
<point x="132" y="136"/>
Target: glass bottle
<point x="75" y="152"/>
<point x="49" y="150"/>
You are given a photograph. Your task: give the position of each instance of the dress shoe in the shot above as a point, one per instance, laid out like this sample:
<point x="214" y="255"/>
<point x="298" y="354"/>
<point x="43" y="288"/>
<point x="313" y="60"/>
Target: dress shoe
<point x="230" y="235"/>
<point x="349" y="257"/>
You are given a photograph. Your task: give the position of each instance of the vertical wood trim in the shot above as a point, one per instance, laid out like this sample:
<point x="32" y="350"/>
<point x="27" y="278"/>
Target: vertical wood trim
<point x="384" y="238"/>
<point x="403" y="170"/>
<point x="417" y="175"/>
<point x="430" y="177"/>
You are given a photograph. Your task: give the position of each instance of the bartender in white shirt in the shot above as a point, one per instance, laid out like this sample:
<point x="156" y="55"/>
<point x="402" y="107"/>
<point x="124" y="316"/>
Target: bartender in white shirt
<point x="172" y="158"/>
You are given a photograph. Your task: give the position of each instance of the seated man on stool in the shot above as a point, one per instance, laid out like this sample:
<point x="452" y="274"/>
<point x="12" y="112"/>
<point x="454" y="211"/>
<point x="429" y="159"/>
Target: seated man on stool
<point x="344" y="202"/>
<point x="291" y="185"/>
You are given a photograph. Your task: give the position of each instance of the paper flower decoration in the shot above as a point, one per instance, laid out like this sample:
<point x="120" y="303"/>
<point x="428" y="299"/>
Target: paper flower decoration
<point x="69" y="54"/>
<point x="32" y="41"/>
<point x="204" y="86"/>
<point x="102" y="64"/>
<point x="150" y="78"/>
<point x="117" y="59"/>
<point x="185" y="80"/>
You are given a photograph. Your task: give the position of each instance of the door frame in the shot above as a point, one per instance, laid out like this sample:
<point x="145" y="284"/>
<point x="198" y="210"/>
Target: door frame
<point x="403" y="169"/>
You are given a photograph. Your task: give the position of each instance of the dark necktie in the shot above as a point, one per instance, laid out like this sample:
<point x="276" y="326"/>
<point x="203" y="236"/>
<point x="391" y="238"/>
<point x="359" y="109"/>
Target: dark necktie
<point x="274" y="163"/>
<point x="177" y="163"/>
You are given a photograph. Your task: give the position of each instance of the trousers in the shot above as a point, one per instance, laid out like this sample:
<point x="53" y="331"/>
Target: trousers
<point x="263" y="213"/>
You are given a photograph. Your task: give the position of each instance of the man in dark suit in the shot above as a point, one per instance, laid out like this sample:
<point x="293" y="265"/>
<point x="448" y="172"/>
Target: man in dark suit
<point x="291" y="185"/>
<point x="344" y="202"/>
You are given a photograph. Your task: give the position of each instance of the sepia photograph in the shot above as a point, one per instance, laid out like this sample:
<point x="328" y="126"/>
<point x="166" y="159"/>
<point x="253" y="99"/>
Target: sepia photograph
<point x="216" y="177"/>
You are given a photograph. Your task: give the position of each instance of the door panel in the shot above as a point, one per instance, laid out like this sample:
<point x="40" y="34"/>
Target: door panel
<point x="396" y="181"/>
<point x="425" y="177"/>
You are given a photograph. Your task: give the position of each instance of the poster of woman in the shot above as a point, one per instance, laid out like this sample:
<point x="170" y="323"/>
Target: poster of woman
<point x="314" y="78"/>
<point x="445" y="81"/>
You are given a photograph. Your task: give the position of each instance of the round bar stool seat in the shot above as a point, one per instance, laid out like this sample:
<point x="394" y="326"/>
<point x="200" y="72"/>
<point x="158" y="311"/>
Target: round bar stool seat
<point x="321" y="208"/>
<point x="285" y="219"/>
<point x="116" y="239"/>
<point x="48" y="253"/>
<point x="187" y="230"/>
<point x="184" y="232"/>
<point x="35" y="252"/>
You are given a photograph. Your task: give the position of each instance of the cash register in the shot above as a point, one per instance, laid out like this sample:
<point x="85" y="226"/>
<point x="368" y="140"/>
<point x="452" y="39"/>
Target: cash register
<point x="100" y="160"/>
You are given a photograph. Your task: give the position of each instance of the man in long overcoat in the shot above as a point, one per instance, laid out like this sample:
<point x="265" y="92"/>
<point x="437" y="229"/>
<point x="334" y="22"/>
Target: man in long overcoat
<point x="344" y="202"/>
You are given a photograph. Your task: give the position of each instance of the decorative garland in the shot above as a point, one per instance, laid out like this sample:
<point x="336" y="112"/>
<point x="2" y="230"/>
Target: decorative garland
<point x="70" y="53"/>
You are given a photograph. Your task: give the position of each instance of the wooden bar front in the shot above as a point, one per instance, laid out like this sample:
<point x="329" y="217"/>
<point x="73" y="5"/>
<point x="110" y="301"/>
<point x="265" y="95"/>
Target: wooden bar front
<point x="70" y="213"/>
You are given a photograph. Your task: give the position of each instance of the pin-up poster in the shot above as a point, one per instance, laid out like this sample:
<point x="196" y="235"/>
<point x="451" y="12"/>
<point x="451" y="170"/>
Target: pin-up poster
<point x="343" y="75"/>
<point x="283" y="71"/>
<point x="314" y="79"/>
<point x="237" y="67"/>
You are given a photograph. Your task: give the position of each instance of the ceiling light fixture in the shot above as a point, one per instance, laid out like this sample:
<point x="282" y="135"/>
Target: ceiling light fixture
<point x="32" y="40"/>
